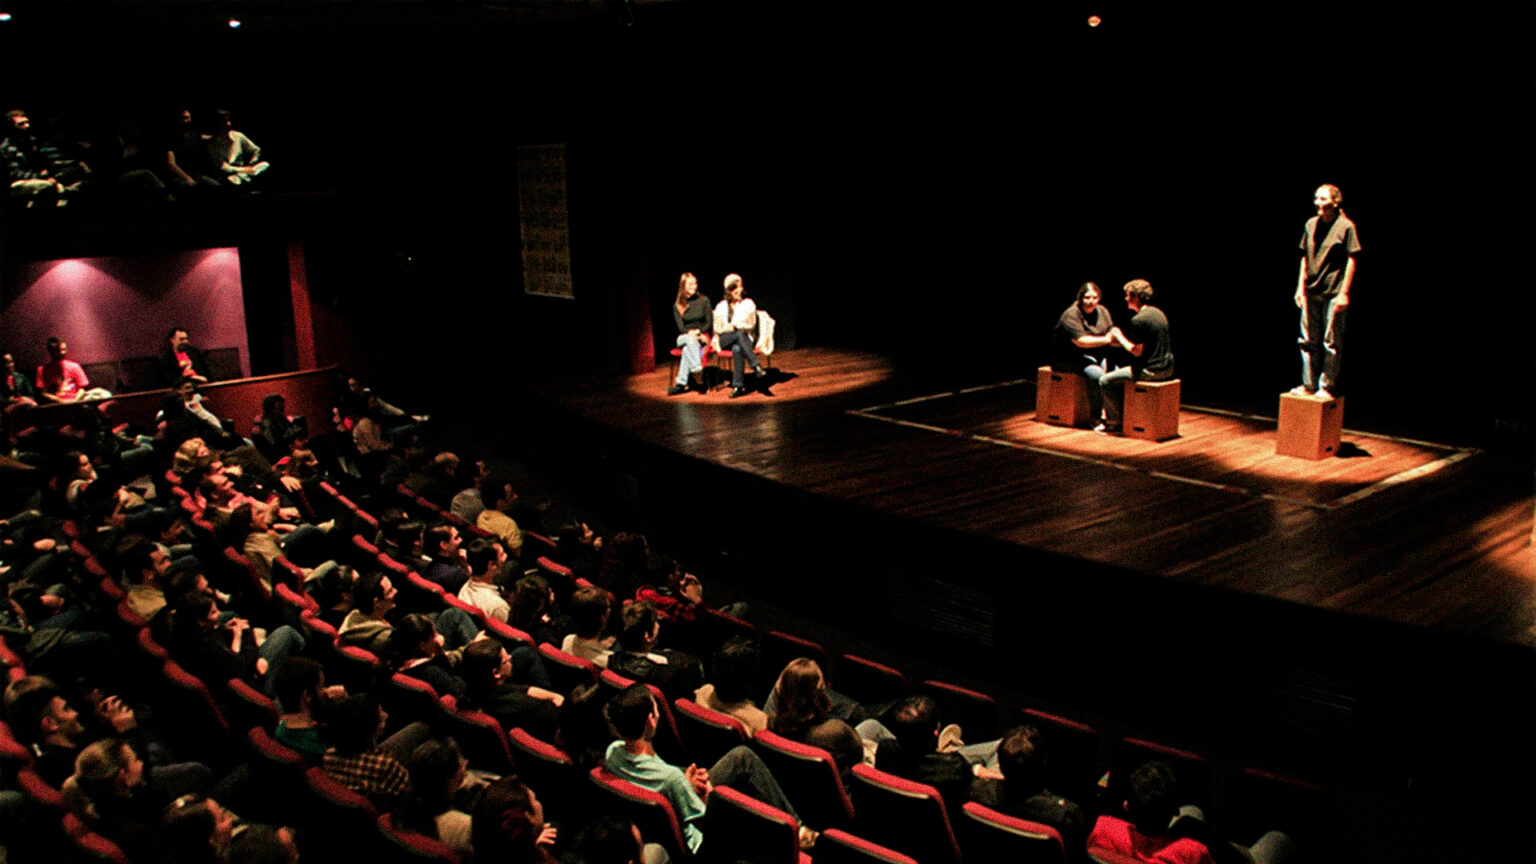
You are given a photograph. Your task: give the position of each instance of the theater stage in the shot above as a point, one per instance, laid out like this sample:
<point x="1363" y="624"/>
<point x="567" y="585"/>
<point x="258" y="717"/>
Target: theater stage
<point x="1426" y="534"/>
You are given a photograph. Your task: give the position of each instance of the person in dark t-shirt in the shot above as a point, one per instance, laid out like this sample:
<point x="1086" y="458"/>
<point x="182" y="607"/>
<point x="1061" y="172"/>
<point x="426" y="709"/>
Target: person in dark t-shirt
<point x="1329" y="245"/>
<point x="1146" y="339"/>
<point x="1080" y="341"/>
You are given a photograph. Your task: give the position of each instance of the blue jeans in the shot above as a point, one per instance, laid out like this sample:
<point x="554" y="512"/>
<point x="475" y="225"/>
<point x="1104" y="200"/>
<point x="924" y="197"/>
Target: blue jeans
<point x="692" y="360"/>
<point x="743" y="351"/>
<point x="1321" y="340"/>
<point x="1093" y="369"/>
<point x="1113" y="387"/>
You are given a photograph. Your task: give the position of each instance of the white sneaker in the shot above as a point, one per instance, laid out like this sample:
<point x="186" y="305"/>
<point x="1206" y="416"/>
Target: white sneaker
<point x="1323" y="394"/>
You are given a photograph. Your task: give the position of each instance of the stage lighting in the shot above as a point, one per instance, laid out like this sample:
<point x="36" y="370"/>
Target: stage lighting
<point x="234" y="23"/>
<point x="1094" y="20"/>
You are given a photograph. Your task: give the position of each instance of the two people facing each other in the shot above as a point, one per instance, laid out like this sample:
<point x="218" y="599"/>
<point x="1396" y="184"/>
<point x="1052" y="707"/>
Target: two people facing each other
<point x="733" y="327"/>
<point x="1086" y="331"/>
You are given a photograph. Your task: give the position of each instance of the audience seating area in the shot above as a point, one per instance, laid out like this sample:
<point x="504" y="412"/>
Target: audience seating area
<point x="230" y="725"/>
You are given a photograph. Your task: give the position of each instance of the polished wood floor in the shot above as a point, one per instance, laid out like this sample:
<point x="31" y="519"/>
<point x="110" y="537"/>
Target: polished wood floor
<point x="1430" y="535"/>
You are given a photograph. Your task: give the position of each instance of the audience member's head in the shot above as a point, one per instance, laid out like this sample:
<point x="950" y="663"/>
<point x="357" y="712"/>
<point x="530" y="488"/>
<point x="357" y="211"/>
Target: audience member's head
<point x="531" y="598"/>
<point x="36" y="711"/>
<point x="263" y="844"/>
<point x="632" y="712"/>
<point x="639" y="626"/>
<point x="485" y="662"/>
<point x="800" y="696"/>
<point x="1021" y="759"/>
<point x="296" y="682"/>
<point x="915" y="723"/>
<point x="585" y="732"/>
<point x="609" y="840"/>
<point x="196" y="830"/>
<point x="437" y="769"/>
<point x="106" y="770"/>
<point x="1152" y="798"/>
<point x="373" y="593"/>
<point x="735" y="668"/>
<point x="589" y="610"/>
<point x="506" y="823"/>
<point x="356" y="722"/>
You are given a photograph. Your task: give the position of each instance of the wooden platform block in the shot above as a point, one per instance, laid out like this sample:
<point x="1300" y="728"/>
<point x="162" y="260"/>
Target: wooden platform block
<point x="1061" y="398"/>
<point x="1152" y="409"/>
<point x="1309" y="426"/>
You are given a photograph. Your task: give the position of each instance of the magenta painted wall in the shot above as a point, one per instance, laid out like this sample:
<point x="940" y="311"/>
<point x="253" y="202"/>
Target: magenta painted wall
<point x="111" y="308"/>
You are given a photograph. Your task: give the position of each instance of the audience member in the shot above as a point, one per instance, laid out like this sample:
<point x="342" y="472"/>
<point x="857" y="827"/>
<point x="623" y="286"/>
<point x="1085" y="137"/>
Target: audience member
<point x="62" y="379"/>
<point x="232" y="153"/>
<point x="438" y="772"/>
<point x="1157" y="829"/>
<point x="180" y="359"/>
<point x="733" y="672"/>
<point x="508" y="825"/>
<point x="677" y="674"/>
<point x="1021" y="790"/>
<point x="360" y="762"/>
<point x="590" y="609"/>
<point x="634" y="716"/>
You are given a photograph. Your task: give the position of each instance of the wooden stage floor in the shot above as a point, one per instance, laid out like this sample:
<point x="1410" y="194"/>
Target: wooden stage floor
<point x="1430" y="535"/>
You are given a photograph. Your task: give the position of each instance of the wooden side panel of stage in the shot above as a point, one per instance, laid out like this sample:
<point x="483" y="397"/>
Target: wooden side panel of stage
<point x="1422" y="534"/>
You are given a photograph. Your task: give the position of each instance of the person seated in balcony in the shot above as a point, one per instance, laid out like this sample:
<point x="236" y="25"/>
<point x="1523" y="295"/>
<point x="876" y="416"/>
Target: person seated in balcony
<point x="235" y="156"/>
<point x="35" y="170"/>
<point x="62" y="379"/>
<point x="180" y="359"/>
<point x="16" y="390"/>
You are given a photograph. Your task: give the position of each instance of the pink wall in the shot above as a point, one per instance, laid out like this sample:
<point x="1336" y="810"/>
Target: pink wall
<point x="111" y="308"/>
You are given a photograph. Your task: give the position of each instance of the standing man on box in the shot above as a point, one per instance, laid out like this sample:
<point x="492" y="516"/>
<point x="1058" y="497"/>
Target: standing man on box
<point x="1329" y="245"/>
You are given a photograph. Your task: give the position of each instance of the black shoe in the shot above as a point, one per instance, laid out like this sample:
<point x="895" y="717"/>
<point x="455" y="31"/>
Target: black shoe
<point x="738" y="392"/>
<point x="676" y="390"/>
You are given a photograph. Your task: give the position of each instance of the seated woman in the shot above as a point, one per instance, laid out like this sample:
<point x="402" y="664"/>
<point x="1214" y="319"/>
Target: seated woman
<point x="110" y="792"/>
<point x="439" y="778"/>
<point x="196" y="830"/>
<point x="216" y="653"/>
<point x="736" y="331"/>
<point x="508" y="825"/>
<point x="801" y="699"/>
<point x="276" y="430"/>
<point x="690" y="312"/>
<point x="1078" y="343"/>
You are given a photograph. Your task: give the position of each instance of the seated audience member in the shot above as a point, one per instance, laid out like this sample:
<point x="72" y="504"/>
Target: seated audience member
<point x="909" y="747"/>
<point x="1157" y="829"/>
<point x="35" y="170"/>
<point x="493" y="684"/>
<point x="360" y="762"/>
<point x="675" y="673"/>
<point x="51" y="632"/>
<point x="276" y="433"/>
<point x="298" y="683"/>
<point x="373" y="598"/>
<point x="62" y="379"/>
<point x="580" y="548"/>
<point x="584" y="732"/>
<point x="733" y="672"/>
<point x="250" y="530"/>
<point x="495" y="516"/>
<point x="442" y="542"/>
<point x="234" y="156"/>
<point x="508" y="825"/>
<point x="216" y="652"/>
<point x="1021" y="791"/>
<point x="110" y="792"/>
<point x="413" y="648"/>
<point x="186" y="416"/>
<point x="263" y="844"/>
<point x="803" y="711"/>
<point x="181" y="158"/>
<point x="439" y="772"/>
<point x="145" y="569"/>
<point x="679" y="597"/>
<point x="487" y="563"/>
<point x="180" y="359"/>
<point x="332" y="590"/>
<point x="624" y="564"/>
<point x="613" y="840"/>
<point x="634" y="717"/>
<point x="468" y="502"/>
<point x="533" y="610"/>
<point x="590" y="608"/>
<point x="196" y="830"/>
<point x="16" y="390"/>
<point x="811" y="700"/>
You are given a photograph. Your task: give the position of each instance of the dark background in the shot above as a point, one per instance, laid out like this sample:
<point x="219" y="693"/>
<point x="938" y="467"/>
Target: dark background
<point x="927" y="180"/>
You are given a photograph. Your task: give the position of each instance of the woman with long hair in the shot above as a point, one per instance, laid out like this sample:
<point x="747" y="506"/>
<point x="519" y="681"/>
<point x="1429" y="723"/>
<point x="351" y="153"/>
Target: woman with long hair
<point x="110" y="792"/>
<point x="196" y="830"/>
<point x="508" y="825"/>
<point x="691" y="313"/>
<point x="438" y="770"/>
